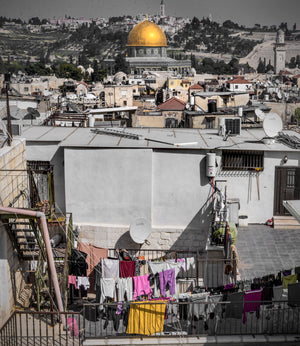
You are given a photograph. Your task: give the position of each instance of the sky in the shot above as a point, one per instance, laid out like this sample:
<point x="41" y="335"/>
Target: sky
<point x="244" y="12"/>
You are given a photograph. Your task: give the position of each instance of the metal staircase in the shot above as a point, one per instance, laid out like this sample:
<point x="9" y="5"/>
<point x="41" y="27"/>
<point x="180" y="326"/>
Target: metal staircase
<point x="28" y="242"/>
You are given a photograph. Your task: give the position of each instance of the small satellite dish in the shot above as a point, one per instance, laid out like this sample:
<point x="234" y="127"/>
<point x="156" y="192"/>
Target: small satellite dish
<point x="272" y="125"/>
<point x="260" y="114"/>
<point x="140" y="230"/>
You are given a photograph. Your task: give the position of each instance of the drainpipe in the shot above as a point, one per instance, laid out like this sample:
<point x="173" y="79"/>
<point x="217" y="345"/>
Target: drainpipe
<point x="39" y="214"/>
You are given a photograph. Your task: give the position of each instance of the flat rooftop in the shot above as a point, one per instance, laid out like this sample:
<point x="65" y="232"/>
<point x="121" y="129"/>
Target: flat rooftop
<point x="178" y="138"/>
<point x="263" y="250"/>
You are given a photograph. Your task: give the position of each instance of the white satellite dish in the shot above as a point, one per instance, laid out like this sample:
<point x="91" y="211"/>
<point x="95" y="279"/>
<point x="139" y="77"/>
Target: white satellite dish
<point x="272" y="125"/>
<point x="140" y="230"/>
<point x="260" y="114"/>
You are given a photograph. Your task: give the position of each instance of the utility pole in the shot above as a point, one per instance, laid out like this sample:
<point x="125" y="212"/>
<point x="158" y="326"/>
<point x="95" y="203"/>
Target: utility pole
<point x="7" y="81"/>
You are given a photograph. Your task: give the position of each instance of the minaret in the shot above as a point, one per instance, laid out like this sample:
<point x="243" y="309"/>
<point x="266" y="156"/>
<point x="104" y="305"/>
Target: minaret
<point x="279" y="52"/>
<point x="162" y="9"/>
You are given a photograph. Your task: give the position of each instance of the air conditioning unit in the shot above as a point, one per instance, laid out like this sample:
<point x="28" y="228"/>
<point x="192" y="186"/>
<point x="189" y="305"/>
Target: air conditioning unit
<point x="231" y="126"/>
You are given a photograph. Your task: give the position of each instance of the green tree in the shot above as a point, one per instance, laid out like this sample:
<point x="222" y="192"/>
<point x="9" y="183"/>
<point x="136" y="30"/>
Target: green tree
<point x="195" y="23"/>
<point x="269" y="67"/>
<point x="292" y="63"/>
<point x="294" y="27"/>
<point x="65" y="70"/>
<point x="261" y="68"/>
<point x="34" y="21"/>
<point x="120" y="63"/>
<point x="83" y="60"/>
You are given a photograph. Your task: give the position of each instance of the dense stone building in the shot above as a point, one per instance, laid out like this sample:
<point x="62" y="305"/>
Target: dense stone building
<point x="147" y="51"/>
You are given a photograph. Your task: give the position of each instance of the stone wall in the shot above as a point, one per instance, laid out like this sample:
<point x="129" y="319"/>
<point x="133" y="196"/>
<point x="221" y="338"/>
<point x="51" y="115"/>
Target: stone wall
<point x="11" y="183"/>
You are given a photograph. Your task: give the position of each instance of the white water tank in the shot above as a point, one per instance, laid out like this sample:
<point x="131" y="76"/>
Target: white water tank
<point x="91" y="121"/>
<point x="240" y="111"/>
<point x="192" y="100"/>
<point x="211" y="165"/>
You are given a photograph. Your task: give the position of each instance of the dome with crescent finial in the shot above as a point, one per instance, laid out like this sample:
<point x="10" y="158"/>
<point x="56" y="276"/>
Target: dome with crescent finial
<point x="147" y="34"/>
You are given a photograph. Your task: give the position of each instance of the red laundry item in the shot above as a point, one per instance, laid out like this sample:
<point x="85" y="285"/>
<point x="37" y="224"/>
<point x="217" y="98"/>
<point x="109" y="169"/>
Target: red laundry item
<point x="127" y="269"/>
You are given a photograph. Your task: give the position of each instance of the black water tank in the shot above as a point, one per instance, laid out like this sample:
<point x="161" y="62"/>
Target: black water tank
<point x="212" y="106"/>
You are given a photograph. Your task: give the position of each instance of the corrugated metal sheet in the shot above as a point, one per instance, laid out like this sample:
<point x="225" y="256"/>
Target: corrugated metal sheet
<point x="249" y="139"/>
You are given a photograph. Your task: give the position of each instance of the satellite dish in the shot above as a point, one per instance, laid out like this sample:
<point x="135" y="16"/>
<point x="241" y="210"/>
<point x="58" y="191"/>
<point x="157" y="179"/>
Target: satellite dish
<point x="260" y="114"/>
<point x="140" y="230"/>
<point x="272" y="125"/>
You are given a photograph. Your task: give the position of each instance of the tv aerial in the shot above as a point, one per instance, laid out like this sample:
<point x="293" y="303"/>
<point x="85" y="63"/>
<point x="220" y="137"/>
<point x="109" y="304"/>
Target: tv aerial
<point x="272" y="125"/>
<point x="140" y="230"/>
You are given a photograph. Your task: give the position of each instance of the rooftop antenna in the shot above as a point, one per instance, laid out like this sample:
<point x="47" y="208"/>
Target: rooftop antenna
<point x="272" y="126"/>
<point x="7" y="87"/>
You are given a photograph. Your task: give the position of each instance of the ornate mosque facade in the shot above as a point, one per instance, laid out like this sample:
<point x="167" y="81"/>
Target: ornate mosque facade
<point x="147" y="51"/>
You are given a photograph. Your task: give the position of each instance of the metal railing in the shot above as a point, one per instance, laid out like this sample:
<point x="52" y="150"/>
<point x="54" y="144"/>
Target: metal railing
<point x="26" y="328"/>
<point x="151" y="318"/>
<point x="160" y="319"/>
<point x="208" y="272"/>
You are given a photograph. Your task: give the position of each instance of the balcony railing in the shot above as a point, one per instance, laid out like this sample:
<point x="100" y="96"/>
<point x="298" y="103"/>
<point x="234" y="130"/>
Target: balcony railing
<point x="158" y="319"/>
<point x="151" y="319"/>
<point x="26" y="328"/>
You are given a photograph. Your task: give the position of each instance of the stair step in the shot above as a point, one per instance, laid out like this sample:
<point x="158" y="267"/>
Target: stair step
<point x="27" y="243"/>
<point x="22" y="229"/>
<point x="19" y="223"/>
<point x="285" y="222"/>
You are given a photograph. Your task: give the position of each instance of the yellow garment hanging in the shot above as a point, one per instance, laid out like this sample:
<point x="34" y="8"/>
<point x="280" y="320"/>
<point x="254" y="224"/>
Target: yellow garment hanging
<point x="290" y="279"/>
<point x="146" y="318"/>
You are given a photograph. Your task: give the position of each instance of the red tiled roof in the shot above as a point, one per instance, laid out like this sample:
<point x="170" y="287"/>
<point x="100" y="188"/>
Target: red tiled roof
<point x="173" y="104"/>
<point x="196" y="86"/>
<point x="239" y="81"/>
<point x="83" y="83"/>
<point x="285" y="72"/>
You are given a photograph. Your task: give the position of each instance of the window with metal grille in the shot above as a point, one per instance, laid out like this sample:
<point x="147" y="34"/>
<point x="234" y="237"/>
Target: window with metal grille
<point x="242" y="160"/>
<point x="291" y="175"/>
<point x="209" y="123"/>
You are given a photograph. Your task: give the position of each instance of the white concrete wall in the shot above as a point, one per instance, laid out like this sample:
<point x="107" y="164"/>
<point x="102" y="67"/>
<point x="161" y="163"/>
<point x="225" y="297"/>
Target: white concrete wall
<point x="106" y="189"/>
<point x="168" y="188"/>
<point x="180" y="213"/>
<point x="240" y="87"/>
<point x="239" y="186"/>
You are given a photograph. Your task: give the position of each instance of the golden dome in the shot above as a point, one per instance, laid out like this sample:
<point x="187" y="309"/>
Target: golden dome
<point x="146" y="34"/>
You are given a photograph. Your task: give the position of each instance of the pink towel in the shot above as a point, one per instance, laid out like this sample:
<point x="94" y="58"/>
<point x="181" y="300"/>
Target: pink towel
<point x="73" y="326"/>
<point x="72" y="281"/>
<point x="141" y="286"/>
